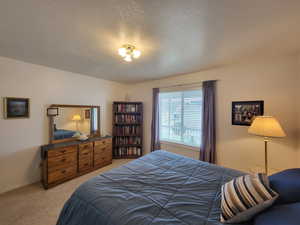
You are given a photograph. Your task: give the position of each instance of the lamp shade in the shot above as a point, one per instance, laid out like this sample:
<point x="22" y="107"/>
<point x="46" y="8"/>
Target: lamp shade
<point x="76" y="117"/>
<point x="266" y="126"/>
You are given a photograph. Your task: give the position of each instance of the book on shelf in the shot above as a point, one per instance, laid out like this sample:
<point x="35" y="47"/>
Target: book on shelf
<point x="127" y="119"/>
<point x="127" y="130"/>
<point x="127" y="108"/>
<point x="128" y="140"/>
<point x="127" y="151"/>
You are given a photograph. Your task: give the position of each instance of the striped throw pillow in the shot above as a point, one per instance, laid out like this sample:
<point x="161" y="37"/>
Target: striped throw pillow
<point x="244" y="197"/>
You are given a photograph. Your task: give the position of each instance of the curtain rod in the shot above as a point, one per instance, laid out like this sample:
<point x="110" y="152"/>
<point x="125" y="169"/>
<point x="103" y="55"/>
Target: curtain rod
<point x="180" y="85"/>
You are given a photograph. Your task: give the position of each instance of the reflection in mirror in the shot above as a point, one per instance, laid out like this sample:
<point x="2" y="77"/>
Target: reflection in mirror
<point x="94" y="120"/>
<point x="72" y="121"/>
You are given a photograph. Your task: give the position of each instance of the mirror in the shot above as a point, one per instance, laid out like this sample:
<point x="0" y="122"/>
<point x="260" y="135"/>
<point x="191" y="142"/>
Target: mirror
<point x="73" y="120"/>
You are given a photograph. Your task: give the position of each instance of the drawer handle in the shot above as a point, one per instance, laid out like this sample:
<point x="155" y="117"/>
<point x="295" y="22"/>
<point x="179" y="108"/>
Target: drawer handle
<point x="63" y="151"/>
<point x="86" y="153"/>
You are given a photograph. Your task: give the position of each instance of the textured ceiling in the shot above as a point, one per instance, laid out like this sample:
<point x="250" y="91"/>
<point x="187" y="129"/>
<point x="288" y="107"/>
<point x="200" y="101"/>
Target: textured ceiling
<point x="175" y="36"/>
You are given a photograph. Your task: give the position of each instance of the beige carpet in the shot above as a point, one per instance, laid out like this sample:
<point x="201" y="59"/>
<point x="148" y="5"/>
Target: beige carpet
<point x="32" y="205"/>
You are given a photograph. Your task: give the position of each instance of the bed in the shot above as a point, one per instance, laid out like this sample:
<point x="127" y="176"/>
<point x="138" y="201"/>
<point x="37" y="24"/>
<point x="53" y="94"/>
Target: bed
<point x="159" y="188"/>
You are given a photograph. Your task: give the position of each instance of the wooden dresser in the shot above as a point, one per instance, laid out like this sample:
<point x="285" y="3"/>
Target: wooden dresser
<point x="64" y="161"/>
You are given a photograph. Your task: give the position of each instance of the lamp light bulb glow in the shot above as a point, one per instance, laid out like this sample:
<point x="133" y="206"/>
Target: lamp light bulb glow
<point x="122" y="52"/>
<point x="128" y="58"/>
<point x="128" y="52"/>
<point x="136" y="53"/>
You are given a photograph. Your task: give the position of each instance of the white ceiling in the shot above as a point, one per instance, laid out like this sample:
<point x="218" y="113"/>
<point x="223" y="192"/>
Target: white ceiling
<point x="175" y="36"/>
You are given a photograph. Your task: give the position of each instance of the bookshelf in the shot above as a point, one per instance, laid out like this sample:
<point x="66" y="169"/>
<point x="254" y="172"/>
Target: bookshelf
<point x="127" y="129"/>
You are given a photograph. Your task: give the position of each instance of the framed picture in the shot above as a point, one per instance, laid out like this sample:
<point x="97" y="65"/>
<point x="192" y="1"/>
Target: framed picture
<point x="243" y="113"/>
<point x="87" y="114"/>
<point x="52" y="111"/>
<point x="15" y="108"/>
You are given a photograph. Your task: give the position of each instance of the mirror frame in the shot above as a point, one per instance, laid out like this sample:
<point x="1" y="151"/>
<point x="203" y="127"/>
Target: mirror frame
<point x="51" y="124"/>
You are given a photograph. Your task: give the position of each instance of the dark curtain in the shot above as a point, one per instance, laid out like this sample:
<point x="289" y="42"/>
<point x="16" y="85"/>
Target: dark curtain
<point x="208" y="144"/>
<point x="155" y="145"/>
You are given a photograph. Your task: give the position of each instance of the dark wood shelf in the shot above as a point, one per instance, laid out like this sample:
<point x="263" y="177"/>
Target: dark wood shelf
<point x="127" y="145"/>
<point x="127" y="124"/>
<point x="127" y="157"/>
<point x="127" y="103"/>
<point x="127" y="135"/>
<point x="125" y="150"/>
<point x="134" y="113"/>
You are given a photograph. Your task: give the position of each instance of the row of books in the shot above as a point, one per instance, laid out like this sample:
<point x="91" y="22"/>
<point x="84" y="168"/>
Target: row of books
<point x="127" y="108"/>
<point x="127" y="141"/>
<point x="128" y="151"/>
<point x="127" y="118"/>
<point x="127" y="130"/>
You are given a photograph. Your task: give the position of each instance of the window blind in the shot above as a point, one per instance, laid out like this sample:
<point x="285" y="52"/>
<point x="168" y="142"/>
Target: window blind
<point x="180" y="117"/>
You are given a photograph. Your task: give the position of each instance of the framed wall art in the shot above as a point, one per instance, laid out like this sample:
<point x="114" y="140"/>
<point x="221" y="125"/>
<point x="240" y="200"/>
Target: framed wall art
<point x="52" y="111"/>
<point x="87" y="114"/>
<point x="243" y="112"/>
<point x="16" y="108"/>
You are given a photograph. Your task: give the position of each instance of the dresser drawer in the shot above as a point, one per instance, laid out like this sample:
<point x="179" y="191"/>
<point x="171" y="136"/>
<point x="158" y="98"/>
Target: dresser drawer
<point x="85" y="153"/>
<point x="85" y="165"/>
<point x="105" y="157"/>
<point x="62" y="161"/>
<point x="102" y="159"/>
<point x="62" y="174"/>
<point x="103" y="150"/>
<point x="85" y="146"/>
<point x="85" y="157"/>
<point x="104" y="142"/>
<point x="62" y="151"/>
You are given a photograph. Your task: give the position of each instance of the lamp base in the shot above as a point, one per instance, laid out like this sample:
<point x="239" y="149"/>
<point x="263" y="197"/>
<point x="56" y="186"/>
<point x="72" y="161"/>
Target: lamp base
<point x="266" y="155"/>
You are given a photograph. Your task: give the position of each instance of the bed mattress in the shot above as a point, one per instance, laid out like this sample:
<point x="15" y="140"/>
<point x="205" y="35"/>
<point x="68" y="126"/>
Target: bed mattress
<point x="158" y="188"/>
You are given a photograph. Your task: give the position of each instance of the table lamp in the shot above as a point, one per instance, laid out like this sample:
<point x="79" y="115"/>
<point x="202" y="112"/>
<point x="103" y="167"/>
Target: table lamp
<point x="266" y="126"/>
<point x="76" y="118"/>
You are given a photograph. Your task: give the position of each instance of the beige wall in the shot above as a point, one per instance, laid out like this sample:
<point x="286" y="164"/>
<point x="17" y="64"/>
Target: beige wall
<point x="20" y="139"/>
<point x="271" y="80"/>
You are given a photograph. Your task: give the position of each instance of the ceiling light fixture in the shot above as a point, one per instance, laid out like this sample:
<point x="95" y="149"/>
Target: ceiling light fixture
<point x="128" y="52"/>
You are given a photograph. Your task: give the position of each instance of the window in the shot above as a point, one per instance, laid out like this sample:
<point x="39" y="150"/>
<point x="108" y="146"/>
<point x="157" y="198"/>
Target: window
<point x="180" y="117"/>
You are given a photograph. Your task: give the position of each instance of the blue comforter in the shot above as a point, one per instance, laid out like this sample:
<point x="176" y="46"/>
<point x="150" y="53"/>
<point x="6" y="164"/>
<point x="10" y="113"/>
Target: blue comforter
<point x="62" y="134"/>
<point x="160" y="188"/>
